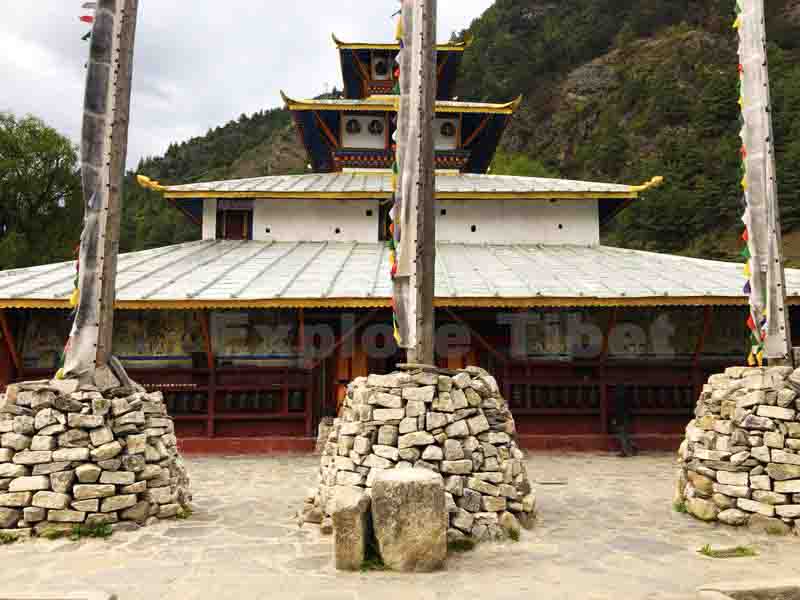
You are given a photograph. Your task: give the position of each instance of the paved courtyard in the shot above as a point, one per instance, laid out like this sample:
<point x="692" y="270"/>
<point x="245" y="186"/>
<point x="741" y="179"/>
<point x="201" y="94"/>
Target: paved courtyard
<point x="610" y="532"/>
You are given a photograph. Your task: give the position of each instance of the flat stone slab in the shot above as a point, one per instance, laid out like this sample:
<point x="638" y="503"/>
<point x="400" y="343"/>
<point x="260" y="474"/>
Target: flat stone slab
<point x="753" y="590"/>
<point x="53" y="595"/>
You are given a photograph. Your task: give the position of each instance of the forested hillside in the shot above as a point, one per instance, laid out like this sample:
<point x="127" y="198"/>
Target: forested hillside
<point x="622" y="90"/>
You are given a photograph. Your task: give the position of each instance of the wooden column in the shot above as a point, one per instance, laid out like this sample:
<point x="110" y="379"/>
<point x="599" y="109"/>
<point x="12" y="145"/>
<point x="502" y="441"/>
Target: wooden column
<point x="612" y="323"/>
<point x="10" y="344"/>
<point x="211" y="406"/>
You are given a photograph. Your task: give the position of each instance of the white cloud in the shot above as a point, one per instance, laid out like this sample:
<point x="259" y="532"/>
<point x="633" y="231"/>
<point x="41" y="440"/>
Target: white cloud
<point x="198" y="63"/>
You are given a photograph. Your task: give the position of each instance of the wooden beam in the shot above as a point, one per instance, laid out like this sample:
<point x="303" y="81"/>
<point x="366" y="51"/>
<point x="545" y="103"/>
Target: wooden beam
<point x="10" y="343"/>
<point x="326" y="130"/>
<point x="476" y="133"/>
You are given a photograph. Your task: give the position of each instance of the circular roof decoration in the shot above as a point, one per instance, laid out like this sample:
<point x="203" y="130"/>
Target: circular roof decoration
<point x="448" y="130"/>
<point x="353" y="127"/>
<point x="376" y="127"/>
<point x="381" y="67"/>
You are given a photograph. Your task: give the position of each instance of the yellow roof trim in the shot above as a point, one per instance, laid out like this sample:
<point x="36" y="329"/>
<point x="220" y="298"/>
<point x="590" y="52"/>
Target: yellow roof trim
<point x="443" y="302"/>
<point x="391" y="104"/>
<point x="385" y="195"/>
<point x="450" y="47"/>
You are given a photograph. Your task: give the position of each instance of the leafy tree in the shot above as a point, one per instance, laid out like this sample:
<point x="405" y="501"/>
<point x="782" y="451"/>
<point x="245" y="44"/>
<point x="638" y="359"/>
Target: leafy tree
<point x="40" y="202"/>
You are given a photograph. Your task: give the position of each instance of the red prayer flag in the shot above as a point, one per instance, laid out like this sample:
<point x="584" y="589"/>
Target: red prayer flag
<point x="746" y="236"/>
<point x="87" y="19"/>
<point x="751" y="324"/>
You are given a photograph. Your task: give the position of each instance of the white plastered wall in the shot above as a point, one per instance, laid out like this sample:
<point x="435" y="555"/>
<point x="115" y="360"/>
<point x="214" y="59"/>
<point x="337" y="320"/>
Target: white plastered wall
<point x="316" y="220"/>
<point x="519" y="221"/>
<point x="209" y="218"/>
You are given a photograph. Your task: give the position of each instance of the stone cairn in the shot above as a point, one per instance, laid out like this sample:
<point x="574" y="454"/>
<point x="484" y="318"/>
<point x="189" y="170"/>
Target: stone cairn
<point x="740" y="461"/>
<point x="73" y="455"/>
<point x="454" y="423"/>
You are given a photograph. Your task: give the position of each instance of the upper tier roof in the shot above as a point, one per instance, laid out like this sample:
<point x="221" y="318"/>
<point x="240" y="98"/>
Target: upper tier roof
<point x="378" y="185"/>
<point x="476" y="129"/>
<point x="357" y="67"/>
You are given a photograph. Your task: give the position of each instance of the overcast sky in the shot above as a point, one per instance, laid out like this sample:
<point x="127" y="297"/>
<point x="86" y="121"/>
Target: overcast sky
<point x="198" y="63"/>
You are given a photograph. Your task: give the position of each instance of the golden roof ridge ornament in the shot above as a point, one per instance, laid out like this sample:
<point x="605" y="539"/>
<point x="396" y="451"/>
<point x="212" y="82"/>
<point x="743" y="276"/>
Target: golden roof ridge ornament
<point x="149" y="184"/>
<point x="449" y="46"/>
<point x="653" y="183"/>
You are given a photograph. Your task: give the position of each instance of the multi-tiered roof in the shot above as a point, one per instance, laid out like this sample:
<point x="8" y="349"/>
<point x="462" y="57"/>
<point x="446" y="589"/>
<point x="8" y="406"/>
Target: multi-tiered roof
<point x="356" y="131"/>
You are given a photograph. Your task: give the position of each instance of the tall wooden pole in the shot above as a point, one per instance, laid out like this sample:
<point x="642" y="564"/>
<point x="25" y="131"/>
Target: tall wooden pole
<point x="103" y="153"/>
<point x="767" y="281"/>
<point x="414" y="287"/>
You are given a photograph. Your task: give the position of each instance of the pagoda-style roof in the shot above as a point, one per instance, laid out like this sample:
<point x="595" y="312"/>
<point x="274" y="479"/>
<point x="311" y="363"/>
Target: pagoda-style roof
<point x="223" y="274"/>
<point x="359" y="61"/>
<point x="475" y="130"/>
<point x="377" y="185"/>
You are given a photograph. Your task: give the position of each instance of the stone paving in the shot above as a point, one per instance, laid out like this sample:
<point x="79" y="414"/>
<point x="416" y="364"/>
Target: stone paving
<point x="610" y="532"/>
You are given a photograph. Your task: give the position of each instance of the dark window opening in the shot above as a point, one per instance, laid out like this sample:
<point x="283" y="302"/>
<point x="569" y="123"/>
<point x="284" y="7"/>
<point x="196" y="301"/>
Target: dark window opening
<point x="443" y="212"/>
<point x="560" y="226"/>
<point x="384" y="231"/>
<point x="369" y="213"/>
<point x="338" y="231"/>
<point x="235" y="225"/>
<point x="474" y="228"/>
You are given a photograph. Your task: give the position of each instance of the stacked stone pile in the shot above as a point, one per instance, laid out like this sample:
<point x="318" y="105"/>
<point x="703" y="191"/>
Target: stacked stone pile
<point x="454" y="423"/>
<point x="741" y="456"/>
<point x="71" y="454"/>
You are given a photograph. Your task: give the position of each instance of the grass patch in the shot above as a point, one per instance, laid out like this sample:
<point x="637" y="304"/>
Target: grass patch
<point x="680" y="507"/>
<point x="184" y="513"/>
<point x="462" y="545"/>
<point x="737" y="552"/>
<point x="8" y="538"/>
<point x="514" y="534"/>
<point x="372" y="557"/>
<point x="53" y="534"/>
<point x="94" y="531"/>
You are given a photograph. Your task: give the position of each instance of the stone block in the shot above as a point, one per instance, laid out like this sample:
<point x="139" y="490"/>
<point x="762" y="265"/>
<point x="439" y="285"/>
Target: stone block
<point x="62" y="482"/>
<point x="419" y="438"/>
<point x="702" y="509"/>
<point x="457" y="467"/>
<point x="8" y="470"/>
<point x="435" y="420"/>
<point x="29" y="457"/>
<point x="115" y="503"/>
<point x="81" y="421"/>
<point x="752" y="506"/>
<point x="71" y="454"/>
<point x="118" y="478"/>
<point x="728" y="478"/>
<point x="66" y="516"/>
<point x="776" y="412"/>
<point x="388" y="414"/>
<point x="9" y="517"/>
<point x="15" y="441"/>
<point x="492" y="504"/>
<point x="410" y="519"/>
<point x="88" y="474"/>
<point x="459" y="429"/>
<point x="351" y="527"/>
<point x="106" y="451"/>
<point x="760" y="482"/>
<point x="30" y="484"/>
<point x="387" y="435"/>
<point x="769" y="497"/>
<point x="736" y="491"/>
<point x="101" y="436"/>
<point x="783" y="457"/>
<point x="86" y="505"/>
<point x="88" y="492"/>
<point x="32" y="514"/>
<point x="733" y="516"/>
<point x="478" y="424"/>
<point x="51" y="500"/>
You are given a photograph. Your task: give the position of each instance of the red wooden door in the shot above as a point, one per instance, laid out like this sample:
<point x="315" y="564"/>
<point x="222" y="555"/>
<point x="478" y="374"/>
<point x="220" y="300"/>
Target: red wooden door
<point x="236" y="225"/>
